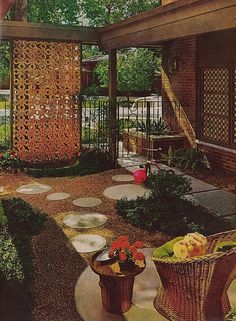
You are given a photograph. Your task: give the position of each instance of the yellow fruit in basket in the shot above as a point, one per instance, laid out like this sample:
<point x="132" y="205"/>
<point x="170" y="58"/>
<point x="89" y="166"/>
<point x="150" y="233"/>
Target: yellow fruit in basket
<point x="181" y="250"/>
<point x="193" y="244"/>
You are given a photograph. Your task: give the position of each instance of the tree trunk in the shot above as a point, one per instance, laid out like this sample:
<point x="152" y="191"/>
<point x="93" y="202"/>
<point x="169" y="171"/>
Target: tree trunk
<point x="20" y="10"/>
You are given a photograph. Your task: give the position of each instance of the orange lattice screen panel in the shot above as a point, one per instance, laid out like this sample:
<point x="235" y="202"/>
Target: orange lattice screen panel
<point x="46" y="117"/>
<point x="234" y="110"/>
<point x="215" y="105"/>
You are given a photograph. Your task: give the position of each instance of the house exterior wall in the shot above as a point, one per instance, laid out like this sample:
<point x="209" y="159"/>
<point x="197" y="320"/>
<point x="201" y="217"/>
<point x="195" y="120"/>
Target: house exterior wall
<point x="180" y="81"/>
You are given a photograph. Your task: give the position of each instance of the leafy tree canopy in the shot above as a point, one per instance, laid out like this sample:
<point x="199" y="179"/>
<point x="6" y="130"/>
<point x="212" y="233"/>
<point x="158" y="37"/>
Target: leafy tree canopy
<point x="54" y="11"/>
<point x="103" y="12"/>
<point x="135" y="70"/>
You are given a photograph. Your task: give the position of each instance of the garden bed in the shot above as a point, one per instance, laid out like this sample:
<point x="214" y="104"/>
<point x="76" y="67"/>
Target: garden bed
<point x="137" y="141"/>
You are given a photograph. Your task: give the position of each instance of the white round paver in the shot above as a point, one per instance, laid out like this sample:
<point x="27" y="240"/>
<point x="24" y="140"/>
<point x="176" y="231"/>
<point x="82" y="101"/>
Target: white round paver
<point x="58" y="196"/>
<point x="1" y="189"/>
<point x="123" y="178"/>
<point x="87" y="202"/>
<point x="33" y="189"/>
<point x="88" y="243"/>
<point x="85" y="220"/>
<point x="130" y="191"/>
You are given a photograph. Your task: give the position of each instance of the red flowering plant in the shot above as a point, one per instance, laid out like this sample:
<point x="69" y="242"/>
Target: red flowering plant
<point x="9" y="160"/>
<point x="124" y="252"/>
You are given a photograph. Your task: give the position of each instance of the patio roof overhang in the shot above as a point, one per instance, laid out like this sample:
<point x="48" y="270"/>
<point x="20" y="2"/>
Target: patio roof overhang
<point x="176" y="20"/>
<point x="29" y="30"/>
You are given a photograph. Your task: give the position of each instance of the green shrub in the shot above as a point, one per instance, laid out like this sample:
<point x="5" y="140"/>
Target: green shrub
<point x="10" y="265"/>
<point x="159" y="127"/>
<point x="164" y="183"/>
<point x="90" y="162"/>
<point x="9" y="160"/>
<point x="167" y="210"/>
<point x="174" y="216"/>
<point x="192" y="158"/>
<point x="94" y="161"/>
<point x="22" y="218"/>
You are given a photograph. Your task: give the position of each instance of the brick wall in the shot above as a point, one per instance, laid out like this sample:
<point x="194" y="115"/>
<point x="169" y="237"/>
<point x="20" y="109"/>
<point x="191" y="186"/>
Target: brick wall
<point x="181" y="85"/>
<point x="220" y="158"/>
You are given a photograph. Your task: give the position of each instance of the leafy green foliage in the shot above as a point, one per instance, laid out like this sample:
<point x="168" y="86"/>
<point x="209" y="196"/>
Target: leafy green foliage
<point x="94" y="161"/>
<point x="135" y="71"/>
<point x="165" y="183"/>
<point x="54" y="11"/>
<point x="231" y="316"/>
<point x="167" y="210"/>
<point x="159" y="127"/>
<point x="90" y="162"/>
<point x="108" y="11"/>
<point x="22" y="218"/>
<point x="4" y="60"/>
<point x="192" y="158"/>
<point x="10" y="265"/>
<point x="9" y="160"/>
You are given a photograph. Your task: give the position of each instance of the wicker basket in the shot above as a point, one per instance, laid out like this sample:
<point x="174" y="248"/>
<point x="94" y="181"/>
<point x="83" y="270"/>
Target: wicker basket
<point x="195" y="289"/>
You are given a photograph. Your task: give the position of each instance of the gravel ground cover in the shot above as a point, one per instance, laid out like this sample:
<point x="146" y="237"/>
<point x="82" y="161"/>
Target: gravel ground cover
<point x="57" y="265"/>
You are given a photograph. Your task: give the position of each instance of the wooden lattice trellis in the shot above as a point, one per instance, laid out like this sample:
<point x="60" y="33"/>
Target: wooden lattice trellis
<point x="215" y="105"/>
<point x="46" y="117"/>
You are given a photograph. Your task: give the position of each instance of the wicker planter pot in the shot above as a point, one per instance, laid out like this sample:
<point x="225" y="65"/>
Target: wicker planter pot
<point x="196" y="289"/>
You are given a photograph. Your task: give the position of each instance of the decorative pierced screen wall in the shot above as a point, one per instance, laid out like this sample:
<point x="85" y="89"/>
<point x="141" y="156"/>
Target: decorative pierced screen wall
<point x="234" y="109"/>
<point x="215" y="105"/>
<point x="46" y="117"/>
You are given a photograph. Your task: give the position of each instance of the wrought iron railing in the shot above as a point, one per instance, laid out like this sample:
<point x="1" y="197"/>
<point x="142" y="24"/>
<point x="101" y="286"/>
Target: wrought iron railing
<point x="95" y="123"/>
<point x="5" y="123"/>
<point x="136" y="121"/>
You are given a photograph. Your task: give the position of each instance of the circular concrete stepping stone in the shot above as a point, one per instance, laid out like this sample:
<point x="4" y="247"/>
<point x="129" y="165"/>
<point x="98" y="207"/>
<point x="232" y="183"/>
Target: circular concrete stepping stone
<point x="130" y="191"/>
<point x="58" y="196"/>
<point x="85" y="220"/>
<point x="123" y="178"/>
<point x="1" y="189"/>
<point x="88" y="243"/>
<point x="87" y="201"/>
<point x="33" y="189"/>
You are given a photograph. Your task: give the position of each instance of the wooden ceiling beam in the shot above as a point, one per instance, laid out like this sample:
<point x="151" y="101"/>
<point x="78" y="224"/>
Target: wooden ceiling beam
<point x="28" y="30"/>
<point x="176" y="20"/>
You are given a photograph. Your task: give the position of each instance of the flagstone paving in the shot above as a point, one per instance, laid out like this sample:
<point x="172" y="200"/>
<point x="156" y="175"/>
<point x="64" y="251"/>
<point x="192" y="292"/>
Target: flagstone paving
<point x="219" y="201"/>
<point x="58" y="196"/>
<point x="87" y="243"/>
<point x="123" y="178"/>
<point x="87" y="202"/>
<point x="200" y="186"/>
<point x="130" y="191"/>
<point x="84" y="220"/>
<point x="33" y="189"/>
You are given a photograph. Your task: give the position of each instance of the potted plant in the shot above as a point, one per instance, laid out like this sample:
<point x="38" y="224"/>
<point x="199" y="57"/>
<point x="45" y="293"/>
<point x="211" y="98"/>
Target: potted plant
<point x="127" y="255"/>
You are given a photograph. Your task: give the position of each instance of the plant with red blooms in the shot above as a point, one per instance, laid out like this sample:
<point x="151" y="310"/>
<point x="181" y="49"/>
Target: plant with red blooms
<point x="9" y="160"/>
<point x="123" y="251"/>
